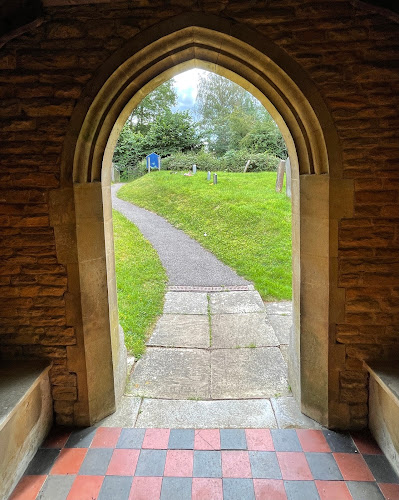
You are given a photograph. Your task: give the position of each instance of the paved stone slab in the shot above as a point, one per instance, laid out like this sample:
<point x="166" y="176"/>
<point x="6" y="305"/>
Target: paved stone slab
<point x="284" y="307"/>
<point x="249" y="414"/>
<point x="125" y="415"/>
<point x="186" y="303"/>
<point x="178" y="330"/>
<point x="248" y="373"/>
<point x="282" y="326"/>
<point x="243" y="330"/>
<point x="289" y="415"/>
<point x="172" y="373"/>
<point x="235" y="302"/>
<point x="284" y="352"/>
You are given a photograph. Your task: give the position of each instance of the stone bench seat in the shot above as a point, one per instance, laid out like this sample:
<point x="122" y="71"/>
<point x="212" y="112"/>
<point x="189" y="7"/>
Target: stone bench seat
<point x="384" y="407"/>
<point x="25" y="417"/>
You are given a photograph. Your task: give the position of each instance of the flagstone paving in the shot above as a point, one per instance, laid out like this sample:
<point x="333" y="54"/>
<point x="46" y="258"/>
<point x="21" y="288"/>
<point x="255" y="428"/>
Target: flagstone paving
<point x="230" y="351"/>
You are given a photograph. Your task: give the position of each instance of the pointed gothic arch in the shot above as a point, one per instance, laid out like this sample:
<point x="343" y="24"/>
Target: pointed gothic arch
<point x="284" y="88"/>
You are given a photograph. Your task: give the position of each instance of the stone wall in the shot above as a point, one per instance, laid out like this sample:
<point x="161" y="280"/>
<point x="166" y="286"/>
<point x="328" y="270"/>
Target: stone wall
<point x="350" y="52"/>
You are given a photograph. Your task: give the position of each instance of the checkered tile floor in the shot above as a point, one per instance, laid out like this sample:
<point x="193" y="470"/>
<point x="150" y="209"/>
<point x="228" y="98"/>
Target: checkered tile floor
<point x="231" y="464"/>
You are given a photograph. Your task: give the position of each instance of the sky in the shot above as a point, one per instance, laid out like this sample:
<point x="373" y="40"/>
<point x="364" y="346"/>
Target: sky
<point x="186" y="86"/>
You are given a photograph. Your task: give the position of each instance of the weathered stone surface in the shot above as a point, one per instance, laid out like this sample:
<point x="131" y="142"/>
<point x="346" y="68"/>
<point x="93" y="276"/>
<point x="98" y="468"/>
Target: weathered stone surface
<point x="206" y="414"/>
<point x="185" y="303"/>
<point x="125" y="415"/>
<point x="242" y="330"/>
<point x="289" y="415"/>
<point x="281" y="325"/>
<point x="178" y="330"/>
<point x="171" y="374"/>
<point x="248" y="373"/>
<point x="235" y="302"/>
<point x="284" y="308"/>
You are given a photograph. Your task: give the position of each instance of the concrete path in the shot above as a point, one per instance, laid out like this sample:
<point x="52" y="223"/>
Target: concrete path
<point x="186" y="262"/>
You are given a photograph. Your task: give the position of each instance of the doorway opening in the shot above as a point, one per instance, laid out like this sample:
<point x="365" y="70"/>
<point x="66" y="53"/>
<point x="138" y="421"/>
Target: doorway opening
<point x="213" y="316"/>
<point x="283" y="88"/>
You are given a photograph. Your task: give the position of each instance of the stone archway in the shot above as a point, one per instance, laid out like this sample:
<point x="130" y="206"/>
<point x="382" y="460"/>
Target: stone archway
<point x="288" y="94"/>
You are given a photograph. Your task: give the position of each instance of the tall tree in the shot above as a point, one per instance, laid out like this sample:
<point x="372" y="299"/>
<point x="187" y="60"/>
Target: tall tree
<point x="173" y="132"/>
<point x="156" y="103"/>
<point x="227" y="113"/>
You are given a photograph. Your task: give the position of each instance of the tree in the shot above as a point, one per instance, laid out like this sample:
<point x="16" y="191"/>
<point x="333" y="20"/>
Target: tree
<point x="226" y="112"/>
<point x="173" y="132"/>
<point x="154" y="104"/>
<point x="232" y="119"/>
<point x="265" y="137"/>
<point x="129" y="150"/>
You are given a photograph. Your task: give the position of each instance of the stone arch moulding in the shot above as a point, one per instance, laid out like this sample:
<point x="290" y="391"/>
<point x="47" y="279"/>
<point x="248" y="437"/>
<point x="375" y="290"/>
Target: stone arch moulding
<point x="257" y="64"/>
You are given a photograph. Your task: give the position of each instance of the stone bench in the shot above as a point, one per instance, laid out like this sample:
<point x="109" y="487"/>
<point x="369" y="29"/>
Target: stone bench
<point x="384" y="407"/>
<point x="26" y="416"/>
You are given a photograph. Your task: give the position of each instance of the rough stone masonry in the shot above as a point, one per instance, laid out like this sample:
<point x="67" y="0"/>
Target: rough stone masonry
<point x="348" y="50"/>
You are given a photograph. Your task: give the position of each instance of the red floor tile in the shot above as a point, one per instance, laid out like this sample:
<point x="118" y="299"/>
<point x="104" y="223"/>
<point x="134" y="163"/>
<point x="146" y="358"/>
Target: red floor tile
<point x="365" y="443"/>
<point x="269" y="489"/>
<point x="205" y="488"/>
<point x="390" y="491"/>
<point x="312" y="440"/>
<point x="333" y="490"/>
<point x="69" y="461"/>
<point x="353" y="467"/>
<point x="236" y="464"/>
<point x="259" y="439"/>
<point x="146" y="488"/>
<point x="294" y="466"/>
<point x="123" y="463"/>
<point x="207" y="439"/>
<point x="28" y="488"/>
<point x="156" y="439"/>
<point x="85" y="488"/>
<point x="57" y="438"/>
<point x="106" y="437"/>
<point x="179" y="463"/>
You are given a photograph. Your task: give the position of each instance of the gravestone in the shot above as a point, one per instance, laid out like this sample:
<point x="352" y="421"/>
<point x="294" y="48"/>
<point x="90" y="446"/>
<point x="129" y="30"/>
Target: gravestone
<point x="194" y="168"/>
<point x="116" y="175"/>
<point x="208" y="177"/>
<point x="280" y="176"/>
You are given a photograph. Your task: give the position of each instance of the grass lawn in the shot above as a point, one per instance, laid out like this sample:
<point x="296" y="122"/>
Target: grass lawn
<point x="141" y="283"/>
<point x="241" y="220"/>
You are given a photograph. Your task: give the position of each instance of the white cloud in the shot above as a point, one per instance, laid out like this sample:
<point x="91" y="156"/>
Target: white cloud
<point x="186" y="85"/>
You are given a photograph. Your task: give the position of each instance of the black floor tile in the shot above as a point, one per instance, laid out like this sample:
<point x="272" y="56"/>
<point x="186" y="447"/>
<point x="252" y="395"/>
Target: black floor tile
<point x="42" y="462"/>
<point x="340" y="442"/>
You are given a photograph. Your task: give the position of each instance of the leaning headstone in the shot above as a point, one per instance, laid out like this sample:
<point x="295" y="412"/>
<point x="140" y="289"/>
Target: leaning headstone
<point x="208" y="177"/>
<point x="288" y="177"/>
<point x="280" y="176"/>
<point x="247" y="165"/>
<point x="115" y="174"/>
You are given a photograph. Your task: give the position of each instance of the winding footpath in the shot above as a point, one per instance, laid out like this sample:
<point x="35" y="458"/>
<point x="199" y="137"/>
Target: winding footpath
<point x="186" y="262"/>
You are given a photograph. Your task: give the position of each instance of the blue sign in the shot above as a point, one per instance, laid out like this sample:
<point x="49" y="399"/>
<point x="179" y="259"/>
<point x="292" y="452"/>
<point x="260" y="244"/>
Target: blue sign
<point x="153" y="161"/>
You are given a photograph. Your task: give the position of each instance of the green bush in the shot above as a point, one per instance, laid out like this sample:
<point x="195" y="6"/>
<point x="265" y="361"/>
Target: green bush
<point x="232" y="161"/>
